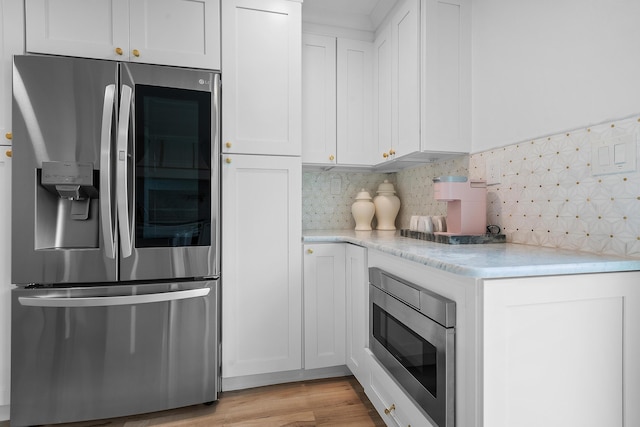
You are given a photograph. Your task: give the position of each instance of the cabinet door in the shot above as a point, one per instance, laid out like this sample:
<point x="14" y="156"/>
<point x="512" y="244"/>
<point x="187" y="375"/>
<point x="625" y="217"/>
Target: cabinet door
<point x="261" y="65"/>
<point x="11" y="43"/>
<point x="446" y="76"/>
<point x="405" y="78"/>
<point x="357" y="287"/>
<point x="318" y="99"/>
<point x="84" y="28"/>
<point x="184" y="33"/>
<point x="382" y="95"/>
<point x="355" y="111"/>
<point x="324" y="305"/>
<point x="5" y="274"/>
<point x="261" y="265"/>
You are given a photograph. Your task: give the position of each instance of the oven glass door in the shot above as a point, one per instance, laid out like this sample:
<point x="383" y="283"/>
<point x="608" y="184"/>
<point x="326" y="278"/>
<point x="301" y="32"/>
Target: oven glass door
<point x="414" y="352"/>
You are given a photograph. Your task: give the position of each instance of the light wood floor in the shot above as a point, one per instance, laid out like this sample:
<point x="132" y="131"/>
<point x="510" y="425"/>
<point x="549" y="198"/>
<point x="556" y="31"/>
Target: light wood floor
<point x="330" y="402"/>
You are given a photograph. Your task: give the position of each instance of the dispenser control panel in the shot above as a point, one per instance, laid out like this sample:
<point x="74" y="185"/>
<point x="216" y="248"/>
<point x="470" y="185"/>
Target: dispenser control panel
<point x="56" y="173"/>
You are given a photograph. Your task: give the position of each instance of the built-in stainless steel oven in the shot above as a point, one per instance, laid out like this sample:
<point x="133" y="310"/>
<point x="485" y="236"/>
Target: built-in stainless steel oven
<point x="412" y="333"/>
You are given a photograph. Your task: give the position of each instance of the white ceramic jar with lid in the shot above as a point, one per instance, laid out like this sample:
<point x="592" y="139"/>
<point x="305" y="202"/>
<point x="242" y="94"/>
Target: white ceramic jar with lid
<point x="363" y="210"/>
<point x="387" y="206"/>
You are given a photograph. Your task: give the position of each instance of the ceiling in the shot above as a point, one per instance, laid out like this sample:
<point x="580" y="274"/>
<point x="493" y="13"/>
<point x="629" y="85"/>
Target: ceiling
<point x="363" y="15"/>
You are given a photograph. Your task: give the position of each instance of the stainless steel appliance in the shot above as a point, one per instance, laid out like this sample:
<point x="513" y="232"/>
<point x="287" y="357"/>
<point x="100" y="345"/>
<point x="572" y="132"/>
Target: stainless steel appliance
<point x="115" y="247"/>
<point x="412" y="333"/>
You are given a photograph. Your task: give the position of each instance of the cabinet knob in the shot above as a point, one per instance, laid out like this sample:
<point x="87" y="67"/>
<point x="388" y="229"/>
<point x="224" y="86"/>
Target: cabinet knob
<point x="8" y="153"/>
<point x="309" y="251"/>
<point x="385" y="155"/>
<point x="332" y="157"/>
<point x="135" y="52"/>
<point x="119" y="50"/>
<point x="388" y="410"/>
<point x="392" y="152"/>
<point x="228" y="160"/>
<point x="8" y="135"/>
<point x="228" y="145"/>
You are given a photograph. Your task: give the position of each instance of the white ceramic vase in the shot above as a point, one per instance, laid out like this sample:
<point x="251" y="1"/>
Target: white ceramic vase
<point x="387" y="206"/>
<point x="363" y="210"/>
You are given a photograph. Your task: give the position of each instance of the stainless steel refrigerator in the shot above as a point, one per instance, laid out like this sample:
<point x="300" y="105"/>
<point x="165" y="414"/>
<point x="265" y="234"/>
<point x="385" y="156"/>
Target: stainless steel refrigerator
<point x="115" y="243"/>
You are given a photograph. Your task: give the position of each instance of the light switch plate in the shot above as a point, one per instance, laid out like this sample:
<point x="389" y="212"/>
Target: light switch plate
<point x="616" y="154"/>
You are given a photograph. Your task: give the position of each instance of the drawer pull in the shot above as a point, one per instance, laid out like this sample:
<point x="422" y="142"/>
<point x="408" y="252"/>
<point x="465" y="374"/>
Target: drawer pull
<point x="388" y="410"/>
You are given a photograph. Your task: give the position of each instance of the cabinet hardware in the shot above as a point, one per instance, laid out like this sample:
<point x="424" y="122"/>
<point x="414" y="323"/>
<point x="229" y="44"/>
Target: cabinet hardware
<point x="309" y="251"/>
<point x="228" y="160"/>
<point x="228" y="145"/>
<point x="385" y="155"/>
<point x="332" y="157"/>
<point x="392" y="152"/>
<point x="135" y="52"/>
<point x="9" y="153"/>
<point x="119" y="51"/>
<point x="8" y="135"/>
<point x="388" y="410"/>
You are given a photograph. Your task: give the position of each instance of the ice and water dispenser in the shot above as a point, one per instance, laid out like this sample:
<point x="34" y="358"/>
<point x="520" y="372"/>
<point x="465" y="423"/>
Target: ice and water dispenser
<point x="67" y="206"/>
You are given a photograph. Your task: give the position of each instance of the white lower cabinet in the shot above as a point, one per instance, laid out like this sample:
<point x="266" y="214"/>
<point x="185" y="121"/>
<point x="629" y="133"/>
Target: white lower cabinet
<point x="324" y="305"/>
<point x="261" y="265"/>
<point x="357" y="288"/>
<point x="5" y="277"/>
<point x="562" y="351"/>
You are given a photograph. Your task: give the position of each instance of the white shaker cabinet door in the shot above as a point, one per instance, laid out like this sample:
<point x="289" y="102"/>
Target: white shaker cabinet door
<point x="85" y="28"/>
<point x="324" y="305"/>
<point x="184" y="33"/>
<point x="357" y="289"/>
<point x="5" y="274"/>
<point x="261" y="68"/>
<point x="318" y="99"/>
<point x="405" y="79"/>
<point x="355" y="110"/>
<point x="261" y="265"/>
<point x="382" y="95"/>
<point x="11" y="43"/>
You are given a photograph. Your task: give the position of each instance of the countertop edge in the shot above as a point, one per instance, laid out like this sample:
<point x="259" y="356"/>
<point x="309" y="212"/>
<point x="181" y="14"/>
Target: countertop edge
<point x="590" y="265"/>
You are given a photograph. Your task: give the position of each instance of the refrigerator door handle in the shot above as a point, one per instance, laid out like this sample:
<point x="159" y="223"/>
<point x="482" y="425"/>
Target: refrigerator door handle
<point x="112" y="301"/>
<point x="105" y="171"/>
<point x="122" y="172"/>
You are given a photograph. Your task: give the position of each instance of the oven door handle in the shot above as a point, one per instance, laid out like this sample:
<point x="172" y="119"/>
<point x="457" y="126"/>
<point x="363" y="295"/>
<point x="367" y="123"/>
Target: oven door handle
<point x="60" y="302"/>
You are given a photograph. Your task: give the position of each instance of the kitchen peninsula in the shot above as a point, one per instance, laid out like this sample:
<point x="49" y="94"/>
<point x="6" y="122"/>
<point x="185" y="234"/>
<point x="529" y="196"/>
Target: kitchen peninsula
<point x="544" y="336"/>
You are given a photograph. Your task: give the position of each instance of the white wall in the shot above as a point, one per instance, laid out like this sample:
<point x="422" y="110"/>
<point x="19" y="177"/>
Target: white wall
<point x="544" y="66"/>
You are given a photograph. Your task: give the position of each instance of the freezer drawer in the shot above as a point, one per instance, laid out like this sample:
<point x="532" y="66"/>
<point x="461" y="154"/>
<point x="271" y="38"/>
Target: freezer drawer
<point x="100" y="352"/>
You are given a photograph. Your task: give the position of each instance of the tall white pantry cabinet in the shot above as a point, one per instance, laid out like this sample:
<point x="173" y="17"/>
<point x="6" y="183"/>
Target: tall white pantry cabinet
<point x="11" y="43"/>
<point x="262" y="189"/>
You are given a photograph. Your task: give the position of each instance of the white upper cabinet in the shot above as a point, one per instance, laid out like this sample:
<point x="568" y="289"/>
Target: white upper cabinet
<point x="11" y="43"/>
<point x="337" y="101"/>
<point x="261" y="68"/>
<point x="405" y="79"/>
<point x="319" y="99"/>
<point x="446" y="76"/>
<point x="355" y="110"/>
<point x="422" y="80"/>
<point x="183" y="33"/>
<point x="382" y="95"/>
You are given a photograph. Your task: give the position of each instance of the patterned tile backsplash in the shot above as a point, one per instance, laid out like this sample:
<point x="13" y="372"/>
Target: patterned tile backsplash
<point x="547" y="195"/>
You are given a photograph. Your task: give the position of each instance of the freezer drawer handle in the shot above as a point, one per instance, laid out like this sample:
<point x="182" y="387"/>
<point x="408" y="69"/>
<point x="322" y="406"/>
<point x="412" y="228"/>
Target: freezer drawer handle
<point x="111" y="301"/>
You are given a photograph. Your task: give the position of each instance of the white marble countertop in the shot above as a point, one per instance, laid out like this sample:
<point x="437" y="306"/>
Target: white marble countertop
<point x="492" y="260"/>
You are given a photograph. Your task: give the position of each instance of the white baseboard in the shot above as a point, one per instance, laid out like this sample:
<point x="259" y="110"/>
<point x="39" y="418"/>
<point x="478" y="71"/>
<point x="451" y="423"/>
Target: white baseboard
<point x="250" y="381"/>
